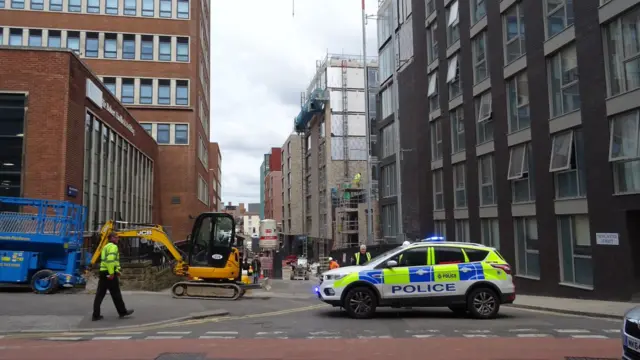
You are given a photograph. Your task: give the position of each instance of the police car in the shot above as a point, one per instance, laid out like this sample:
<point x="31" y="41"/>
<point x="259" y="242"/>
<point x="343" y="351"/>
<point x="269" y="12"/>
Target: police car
<point x="466" y="277"/>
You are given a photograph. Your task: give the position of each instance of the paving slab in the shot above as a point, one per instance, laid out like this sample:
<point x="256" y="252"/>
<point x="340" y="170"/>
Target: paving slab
<point x="594" y="308"/>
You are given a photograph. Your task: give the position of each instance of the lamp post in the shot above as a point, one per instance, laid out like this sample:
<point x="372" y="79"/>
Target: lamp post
<point x="367" y="125"/>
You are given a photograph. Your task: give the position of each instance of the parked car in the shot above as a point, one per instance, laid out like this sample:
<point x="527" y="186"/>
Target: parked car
<point x="631" y="334"/>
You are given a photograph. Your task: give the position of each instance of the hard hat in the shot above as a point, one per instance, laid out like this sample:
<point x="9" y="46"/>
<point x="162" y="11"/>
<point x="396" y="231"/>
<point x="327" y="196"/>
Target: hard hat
<point x="330" y="259"/>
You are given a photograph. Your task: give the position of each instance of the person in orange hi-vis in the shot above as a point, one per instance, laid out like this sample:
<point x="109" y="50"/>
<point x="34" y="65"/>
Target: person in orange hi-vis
<point x="333" y="264"/>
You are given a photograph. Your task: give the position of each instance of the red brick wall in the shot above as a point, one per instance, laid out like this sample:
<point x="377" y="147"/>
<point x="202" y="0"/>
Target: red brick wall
<point x="273" y="202"/>
<point x="275" y="160"/>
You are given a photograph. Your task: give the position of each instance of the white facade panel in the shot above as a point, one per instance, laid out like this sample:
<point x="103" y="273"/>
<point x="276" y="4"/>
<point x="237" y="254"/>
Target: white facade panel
<point x="355" y="78"/>
<point x="357" y="148"/>
<point x="355" y="101"/>
<point x="356" y="125"/>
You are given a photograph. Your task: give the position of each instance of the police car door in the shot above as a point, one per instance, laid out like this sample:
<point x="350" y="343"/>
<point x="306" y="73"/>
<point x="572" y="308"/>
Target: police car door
<point x="452" y="274"/>
<point x="410" y="277"/>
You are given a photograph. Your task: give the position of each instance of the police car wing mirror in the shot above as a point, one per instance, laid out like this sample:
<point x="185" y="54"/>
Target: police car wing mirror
<point x="392" y="263"/>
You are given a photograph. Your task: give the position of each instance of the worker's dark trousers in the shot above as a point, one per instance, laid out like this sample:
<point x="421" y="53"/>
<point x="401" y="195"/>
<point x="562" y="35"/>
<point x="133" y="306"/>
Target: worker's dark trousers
<point x="113" y="286"/>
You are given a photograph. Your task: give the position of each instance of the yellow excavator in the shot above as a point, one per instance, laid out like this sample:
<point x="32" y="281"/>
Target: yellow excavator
<point x="211" y="262"/>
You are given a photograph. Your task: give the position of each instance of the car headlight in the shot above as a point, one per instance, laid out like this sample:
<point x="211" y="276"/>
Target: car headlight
<point x="333" y="277"/>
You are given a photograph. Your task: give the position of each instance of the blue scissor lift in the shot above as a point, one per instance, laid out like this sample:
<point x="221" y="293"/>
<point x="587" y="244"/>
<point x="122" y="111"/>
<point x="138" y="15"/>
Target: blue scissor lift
<point x="41" y="243"/>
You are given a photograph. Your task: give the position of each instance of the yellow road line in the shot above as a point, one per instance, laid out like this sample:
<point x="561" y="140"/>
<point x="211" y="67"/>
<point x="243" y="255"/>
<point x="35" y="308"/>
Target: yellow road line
<point x="168" y="325"/>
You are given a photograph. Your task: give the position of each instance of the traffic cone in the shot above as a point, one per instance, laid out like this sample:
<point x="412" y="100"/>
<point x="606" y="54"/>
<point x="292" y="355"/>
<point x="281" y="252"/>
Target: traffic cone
<point x="261" y="276"/>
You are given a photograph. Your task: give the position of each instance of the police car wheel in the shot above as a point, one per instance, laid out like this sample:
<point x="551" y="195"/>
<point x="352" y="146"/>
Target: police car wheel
<point x="483" y="303"/>
<point x="360" y="303"/>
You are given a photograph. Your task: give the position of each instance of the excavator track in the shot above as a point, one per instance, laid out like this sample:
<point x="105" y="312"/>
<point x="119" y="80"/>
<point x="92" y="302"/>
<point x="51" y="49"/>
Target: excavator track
<point x="206" y="290"/>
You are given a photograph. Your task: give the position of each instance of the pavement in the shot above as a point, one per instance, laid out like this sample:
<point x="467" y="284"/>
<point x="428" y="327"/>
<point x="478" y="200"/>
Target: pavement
<point x="594" y="308"/>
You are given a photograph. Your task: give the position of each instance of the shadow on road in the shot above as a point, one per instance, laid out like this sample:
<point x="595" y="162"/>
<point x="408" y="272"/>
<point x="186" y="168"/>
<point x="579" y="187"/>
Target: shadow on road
<point x="335" y="313"/>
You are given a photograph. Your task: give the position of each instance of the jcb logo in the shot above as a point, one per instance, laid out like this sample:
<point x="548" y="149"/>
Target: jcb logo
<point x="144" y="232"/>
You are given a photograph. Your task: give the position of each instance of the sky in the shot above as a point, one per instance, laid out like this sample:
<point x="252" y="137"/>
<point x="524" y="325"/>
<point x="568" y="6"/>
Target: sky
<point x="263" y="55"/>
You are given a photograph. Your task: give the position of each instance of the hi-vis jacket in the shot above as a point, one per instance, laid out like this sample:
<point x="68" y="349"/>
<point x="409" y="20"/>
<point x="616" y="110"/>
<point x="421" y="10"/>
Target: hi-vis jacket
<point x="110" y="259"/>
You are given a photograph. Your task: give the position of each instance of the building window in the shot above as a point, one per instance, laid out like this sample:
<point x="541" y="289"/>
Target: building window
<point x="146" y="91"/>
<point x="462" y="230"/>
<point x="513" y="20"/>
<point x="35" y="37"/>
<point x="387" y="101"/>
<point x="182" y="134"/>
<point x="484" y="116"/>
<point x="93" y="6"/>
<point x="55" y="5"/>
<point x="518" y="98"/>
<point x="148" y="128"/>
<point x="438" y="190"/>
<point x="164" y="92"/>
<point x="130" y="7"/>
<point x="111" y="7"/>
<point x="559" y="16"/>
<point x="182" y="92"/>
<point x="75" y="5"/>
<point x="166" y="8"/>
<point x="203" y="190"/>
<point x="521" y="173"/>
<point x="147" y="8"/>
<point x="17" y="4"/>
<point x="389" y="220"/>
<point x="54" y="39"/>
<point x="129" y="47"/>
<point x="91" y="45"/>
<point x="434" y="99"/>
<point x="203" y="153"/>
<point x="183" y="9"/>
<point x="575" y="250"/>
<point x="487" y="173"/>
<point x="453" y="26"/>
<point x="432" y="42"/>
<point x="110" y="84"/>
<point x="163" y="134"/>
<point x="490" y="232"/>
<point x="15" y="37"/>
<point x="110" y="46"/>
<point x="621" y="53"/>
<point x="457" y="129"/>
<point x="480" y="68"/>
<point x="436" y="140"/>
<point x="389" y="180"/>
<point x="37" y="5"/>
<point x="568" y="164"/>
<point x="453" y="78"/>
<point x="388" y="135"/>
<point x="182" y="49"/>
<point x="146" y="47"/>
<point x="127" y="92"/>
<point x="459" y="182"/>
<point x="527" y="252"/>
<point x="624" y="152"/>
<point x="165" y="48"/>
<point x="440" y="228"/>
<point x="478" y="10"/>
<point x="563" y="73"/>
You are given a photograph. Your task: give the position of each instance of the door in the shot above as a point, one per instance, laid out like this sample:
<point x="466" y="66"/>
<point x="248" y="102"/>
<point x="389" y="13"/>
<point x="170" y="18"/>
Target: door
<point x="453" y="271"/>
<point x="212" y="242"/>
<point x="410" y="277"/>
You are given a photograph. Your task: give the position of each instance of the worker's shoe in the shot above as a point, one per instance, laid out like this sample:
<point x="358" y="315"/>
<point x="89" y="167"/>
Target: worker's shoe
<point x="129" y="312"/>
<point x="96" y="318"/>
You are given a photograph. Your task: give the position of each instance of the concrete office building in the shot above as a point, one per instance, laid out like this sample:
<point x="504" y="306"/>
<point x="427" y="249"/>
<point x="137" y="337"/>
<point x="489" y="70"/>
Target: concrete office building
<point x="215" y="176"/>
<point x="292" y="196"/>
<point x="154" y="56"/>
<point x="519" y="98"/>
<point x="64" y="136"/>
<point x="334" y="124"/>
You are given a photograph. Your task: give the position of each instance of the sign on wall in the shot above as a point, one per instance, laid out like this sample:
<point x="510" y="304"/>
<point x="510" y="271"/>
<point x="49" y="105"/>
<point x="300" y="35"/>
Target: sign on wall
<point x="608" y="239"/>
<point x="97" y="97"/>
<point x="94" y="93"/>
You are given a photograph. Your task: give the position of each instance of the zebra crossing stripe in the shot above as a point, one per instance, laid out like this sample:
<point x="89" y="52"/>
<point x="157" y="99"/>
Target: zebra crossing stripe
<point x="163" y="337"/>
<point x="221" y="333"/>
<point x="64" y="338"/>
<point x="111" y="338"/>
<point x="589" y="337"/>
<point x="532" y="335"/>
<point x="422" y="336"/>
<point x="612" y="331"/>
<point x="572" y="331"/>
<point x="212" y="337"/>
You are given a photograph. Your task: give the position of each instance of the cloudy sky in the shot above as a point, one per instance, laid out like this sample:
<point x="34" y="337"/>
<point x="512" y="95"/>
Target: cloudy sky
<point x="262" y="57"/>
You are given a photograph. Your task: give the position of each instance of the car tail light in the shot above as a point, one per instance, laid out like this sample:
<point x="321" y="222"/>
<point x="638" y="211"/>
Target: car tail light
<point x="503" y="267"/>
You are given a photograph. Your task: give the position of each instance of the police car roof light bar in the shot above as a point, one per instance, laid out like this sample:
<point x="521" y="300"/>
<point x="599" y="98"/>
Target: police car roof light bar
<point x="434" y="239"/>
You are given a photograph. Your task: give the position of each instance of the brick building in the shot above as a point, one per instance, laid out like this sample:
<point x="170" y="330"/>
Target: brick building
<point x="64" y="136"/>
<point x="273" y="196"/>
<point x="271" y="162"/>
<point x="154" y="56"/>
<point x="292" y="196"/>
<point x="215" y="176"/>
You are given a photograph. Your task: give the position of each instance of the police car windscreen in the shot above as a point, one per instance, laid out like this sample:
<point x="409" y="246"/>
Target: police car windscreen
<point x="383" y="255"/>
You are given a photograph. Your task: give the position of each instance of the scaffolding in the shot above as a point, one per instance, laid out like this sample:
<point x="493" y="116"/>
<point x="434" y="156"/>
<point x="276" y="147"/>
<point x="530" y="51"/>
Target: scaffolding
<point x="349" y="197"/>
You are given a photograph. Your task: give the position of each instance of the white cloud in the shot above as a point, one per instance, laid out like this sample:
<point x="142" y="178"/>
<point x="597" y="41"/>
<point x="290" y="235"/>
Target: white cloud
<point x="262" y="57"/>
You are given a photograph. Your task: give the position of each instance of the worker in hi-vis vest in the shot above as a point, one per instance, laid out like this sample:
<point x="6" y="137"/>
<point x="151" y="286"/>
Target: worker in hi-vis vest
<point x="356" y="180"/>
<point x="361" y="257"/>
<point x="108" y="279"/>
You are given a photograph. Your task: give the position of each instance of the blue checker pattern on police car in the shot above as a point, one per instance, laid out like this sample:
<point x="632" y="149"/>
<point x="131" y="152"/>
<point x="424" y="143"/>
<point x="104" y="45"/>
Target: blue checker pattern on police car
<point x="471" y="271"/>
<point x="374" y="277"/>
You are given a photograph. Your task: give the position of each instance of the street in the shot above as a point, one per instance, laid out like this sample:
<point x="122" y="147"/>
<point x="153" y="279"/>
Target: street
<point x="292" y="324"/>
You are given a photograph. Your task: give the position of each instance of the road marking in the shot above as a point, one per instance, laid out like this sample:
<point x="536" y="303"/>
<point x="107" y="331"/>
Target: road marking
<point x="523" y="330"/>
<point x="323" y="337"/>
<point x="174" y="332"/>
<point x="64" y="338"/>
<point x="589" y="337"/>
<point x="474" y="331"/>
<point x="315" y="333"/>
<point x="266" y="333"/>
<point x="125" y="333"/>
<point x="216" y="337"/>
<point x="221" y="333"/>
<point x="572" y="331"/>
<point x="612" y="331"/>
<point x="1" y="337"/>
<point x="477" y="335"/>
<point x="76" y="334"/>
<point x="421" y="331"/>
<point x="422" y="336"/>
<point x="111" y="338"/>
<point x="162" y="337"/>
<point x="532" y="335"/>
<point x="374" y="337"/>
